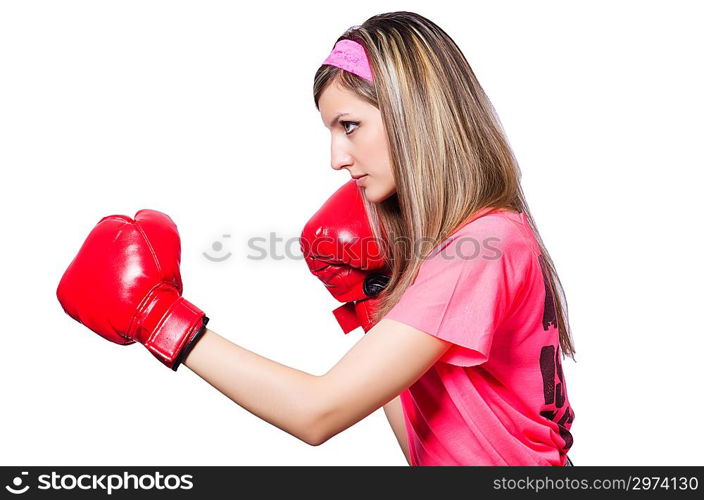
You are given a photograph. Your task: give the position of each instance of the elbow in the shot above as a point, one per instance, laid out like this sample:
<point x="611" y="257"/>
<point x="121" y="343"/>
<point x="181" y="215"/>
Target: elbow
<point x="315" y="433"/>
<point x="319" y="426"/>
<point x="315" y="440"/>
<point x="327" y="416"/>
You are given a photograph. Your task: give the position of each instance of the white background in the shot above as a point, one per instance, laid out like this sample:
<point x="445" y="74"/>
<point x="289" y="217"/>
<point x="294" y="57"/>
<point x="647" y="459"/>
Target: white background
<point x="204" y="110"/>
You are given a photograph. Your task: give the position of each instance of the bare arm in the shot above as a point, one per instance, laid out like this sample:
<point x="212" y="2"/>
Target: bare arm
<point x="389" y="358"/>
<point x="394" y="414"/>
<point x="276" y="393"/>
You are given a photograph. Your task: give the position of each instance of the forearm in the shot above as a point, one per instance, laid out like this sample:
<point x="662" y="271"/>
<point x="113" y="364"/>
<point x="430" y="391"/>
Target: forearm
<point x="283" y="396"/>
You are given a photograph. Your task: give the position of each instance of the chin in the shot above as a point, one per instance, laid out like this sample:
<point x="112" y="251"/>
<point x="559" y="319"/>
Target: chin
<point x="374" y="195"/>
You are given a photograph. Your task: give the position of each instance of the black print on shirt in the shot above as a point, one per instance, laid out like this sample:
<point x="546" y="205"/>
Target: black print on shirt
<point x="554" y="394"/>
<point x="551" y="365"/>
<point x="549" y="316"/>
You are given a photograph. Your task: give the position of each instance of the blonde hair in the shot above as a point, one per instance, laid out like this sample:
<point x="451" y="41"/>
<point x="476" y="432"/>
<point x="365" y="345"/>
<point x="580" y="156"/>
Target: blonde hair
<point x="449" y="152"/>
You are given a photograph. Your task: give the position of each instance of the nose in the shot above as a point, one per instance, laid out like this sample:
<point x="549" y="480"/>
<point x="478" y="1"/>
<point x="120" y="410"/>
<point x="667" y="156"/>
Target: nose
<point x="339" y="158"/>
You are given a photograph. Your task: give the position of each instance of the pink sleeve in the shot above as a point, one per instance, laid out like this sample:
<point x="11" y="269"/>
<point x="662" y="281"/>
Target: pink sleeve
<point x="463" y="292"/>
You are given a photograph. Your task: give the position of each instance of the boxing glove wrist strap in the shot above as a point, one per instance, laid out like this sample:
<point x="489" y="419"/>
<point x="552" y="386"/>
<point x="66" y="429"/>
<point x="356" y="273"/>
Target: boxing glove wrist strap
<point x="169" y="325"/>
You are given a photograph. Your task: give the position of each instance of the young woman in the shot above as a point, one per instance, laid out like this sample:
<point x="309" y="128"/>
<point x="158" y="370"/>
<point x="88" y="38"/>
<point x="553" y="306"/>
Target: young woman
<point x="465" y="351"/>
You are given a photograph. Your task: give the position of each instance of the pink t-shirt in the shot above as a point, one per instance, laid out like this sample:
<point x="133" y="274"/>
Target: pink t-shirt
<point x="498" y="395"/>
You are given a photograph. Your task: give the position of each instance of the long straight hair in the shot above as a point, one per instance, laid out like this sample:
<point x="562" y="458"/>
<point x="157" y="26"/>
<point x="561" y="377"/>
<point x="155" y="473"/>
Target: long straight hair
<point x="449" y="152"/>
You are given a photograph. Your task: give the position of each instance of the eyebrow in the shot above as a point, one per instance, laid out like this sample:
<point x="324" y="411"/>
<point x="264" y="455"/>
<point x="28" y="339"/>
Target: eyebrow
<point x="332" y="122"/>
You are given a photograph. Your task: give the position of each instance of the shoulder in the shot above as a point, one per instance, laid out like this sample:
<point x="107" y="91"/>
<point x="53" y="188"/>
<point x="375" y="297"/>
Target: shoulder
<point x="504" y="231"/>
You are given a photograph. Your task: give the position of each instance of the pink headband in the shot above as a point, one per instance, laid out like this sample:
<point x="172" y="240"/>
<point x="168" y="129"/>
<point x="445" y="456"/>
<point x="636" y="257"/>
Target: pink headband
<point x="350" y="56"/>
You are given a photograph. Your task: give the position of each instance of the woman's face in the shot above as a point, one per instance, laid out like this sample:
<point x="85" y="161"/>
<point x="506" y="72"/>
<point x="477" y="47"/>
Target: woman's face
<point x="359" y="141"/>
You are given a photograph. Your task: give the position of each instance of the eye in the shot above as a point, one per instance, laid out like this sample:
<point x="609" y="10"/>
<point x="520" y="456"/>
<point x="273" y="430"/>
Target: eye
<point x="344" y="125"/>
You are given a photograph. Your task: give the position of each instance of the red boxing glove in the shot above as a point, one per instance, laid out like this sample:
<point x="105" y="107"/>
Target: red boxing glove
<point x="340" y="249"/>
<point x="125" y="285"/>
